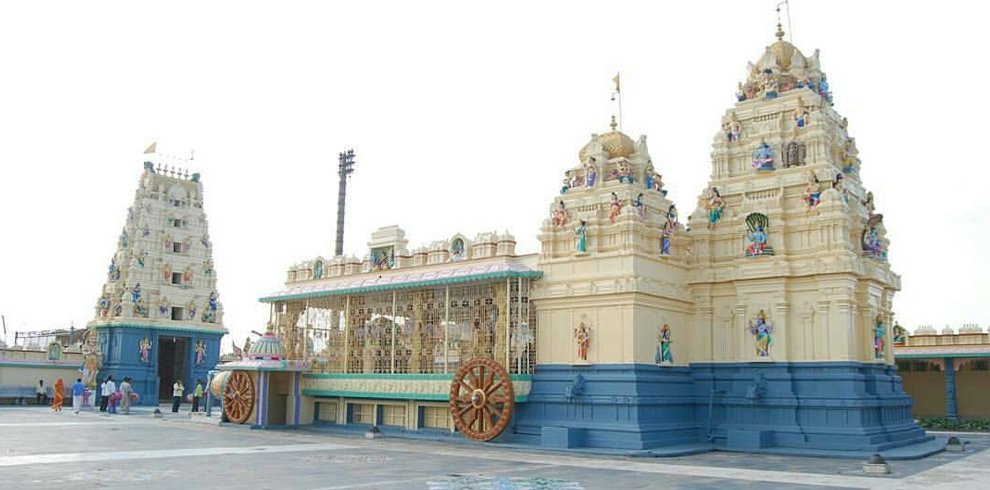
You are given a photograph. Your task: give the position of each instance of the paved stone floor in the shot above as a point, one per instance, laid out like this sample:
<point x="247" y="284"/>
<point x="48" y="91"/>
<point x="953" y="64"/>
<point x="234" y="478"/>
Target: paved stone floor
<point x="41" y="449"/>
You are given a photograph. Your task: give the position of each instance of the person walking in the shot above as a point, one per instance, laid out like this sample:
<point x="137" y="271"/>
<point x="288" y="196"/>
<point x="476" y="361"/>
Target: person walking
<point x="177" y="390"/>
<point x="108" y="390"/>
<point x="41" y="394"/>
<point x="125" y="395"/>
<point x="58" y="395"/>
<point x="197" y="394"/>
<point x="77" y="394"/>
<point x="103" y="396"/>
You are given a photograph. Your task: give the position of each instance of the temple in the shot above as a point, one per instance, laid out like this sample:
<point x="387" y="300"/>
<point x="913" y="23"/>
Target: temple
<point x="757" y="322"/>
<point x="158" y="316"/>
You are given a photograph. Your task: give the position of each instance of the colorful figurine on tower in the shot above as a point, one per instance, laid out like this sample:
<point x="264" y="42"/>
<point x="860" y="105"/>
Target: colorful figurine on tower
<point x="763" y="157"/>
<point x="663" y="356"/>
<point x="763" y="330"/>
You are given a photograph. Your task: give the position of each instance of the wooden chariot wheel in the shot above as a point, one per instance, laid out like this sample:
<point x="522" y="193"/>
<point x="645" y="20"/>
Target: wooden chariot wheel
<point x="481" y="399"/>
<point x="238" y="397"/>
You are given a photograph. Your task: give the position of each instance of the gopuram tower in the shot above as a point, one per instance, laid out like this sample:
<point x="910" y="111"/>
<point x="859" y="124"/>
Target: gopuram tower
<point x="762" y="324"/>
<point x="789" y="273"/>
<point x="158" y="316"/>
<point x="612" y="302"/>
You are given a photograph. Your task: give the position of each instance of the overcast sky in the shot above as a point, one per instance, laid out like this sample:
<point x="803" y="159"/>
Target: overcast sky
<point x="463" y="117"/>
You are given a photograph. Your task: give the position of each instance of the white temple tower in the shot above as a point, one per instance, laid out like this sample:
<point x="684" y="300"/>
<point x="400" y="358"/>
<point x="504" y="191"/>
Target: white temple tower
<point x="159" y="315"/>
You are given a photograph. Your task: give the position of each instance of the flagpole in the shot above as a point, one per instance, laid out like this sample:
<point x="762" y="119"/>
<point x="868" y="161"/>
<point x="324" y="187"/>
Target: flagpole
<point x="617" y="96"/>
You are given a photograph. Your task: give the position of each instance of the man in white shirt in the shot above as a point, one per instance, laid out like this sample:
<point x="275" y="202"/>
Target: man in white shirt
<point x="177" y="390"/>
<point x="103" y="396"/>
<point x="107" y="389"/>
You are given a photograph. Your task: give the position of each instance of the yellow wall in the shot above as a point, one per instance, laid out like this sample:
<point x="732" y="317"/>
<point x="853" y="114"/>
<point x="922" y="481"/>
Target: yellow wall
<point x="973" y="393"/>
<point x="928" y="390"/>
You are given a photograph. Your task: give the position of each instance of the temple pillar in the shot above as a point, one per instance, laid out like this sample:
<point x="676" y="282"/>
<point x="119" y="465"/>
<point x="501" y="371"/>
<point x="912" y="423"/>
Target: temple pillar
<point x="951" y="407"/>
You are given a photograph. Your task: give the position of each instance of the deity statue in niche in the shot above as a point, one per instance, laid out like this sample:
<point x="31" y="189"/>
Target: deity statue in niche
<point x="117" y="309"/>
<point x="823" y="90"/>
<point x="740" y="92"/>
<point x="665" y="233"/>
<point x="582" y="336"/>
<point x="652" y="178"/>
<point x="457" y="251"/>
<point x="873" y="240"/>
<point x="663" y="356"/>
<point x="640" y="206"/>
<point x="715" y="206"/>
<point x="623" y="173"/>
<point x="794" y="153"/>
<point x="732" y="128"/>
<point x="757" y="236"/>
<point x="168" y="242"/>
<point x="566" y="185"/>
<point x="615" y="208"/>
<point x="672" y="216"/>
<point x="576" y="180"/>
<point x="206" y="242"/>
<point x="144" y="350"/>
<point x="140" y="309"/>
<point x="769" y="84"/>
<point x="801" y="119"/>
<point x="113" y="272"/>
<point x="582" y="237"/>
<point x="104" y="303"/>
<point x="187" y="276"/>
<point x="382" y="258"/>
<point x="812" y="191"/>
<point x="200" y="352"/>
<point x="763" y="330"/>
<point x="317" y="269"/>
<point x="591" y="172"/>
<point x="167" y="272"/>
<point x="763" y="157"/>
<point x="136" y="293"/>
<point x="878" y="334"/>
<point x="213" y="300"/>
<point x="186" y="245"/>
<point x="207" y="267"/>
<point x="122" y="241"/>
<point x="870" y="207"/>
<point x="900" y="334"/>
<point x="559" y="216"/>
<point x="191" y="307"/>
<point x="163" y="307"/>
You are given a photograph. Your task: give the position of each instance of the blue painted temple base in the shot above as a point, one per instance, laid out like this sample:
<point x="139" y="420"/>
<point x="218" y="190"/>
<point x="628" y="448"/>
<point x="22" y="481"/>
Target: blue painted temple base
<point x="122" y="356"/>
<point x="799" y="407"/>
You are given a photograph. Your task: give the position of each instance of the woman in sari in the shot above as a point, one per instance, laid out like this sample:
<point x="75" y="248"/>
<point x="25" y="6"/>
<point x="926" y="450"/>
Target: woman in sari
<point x="58" y="395"/>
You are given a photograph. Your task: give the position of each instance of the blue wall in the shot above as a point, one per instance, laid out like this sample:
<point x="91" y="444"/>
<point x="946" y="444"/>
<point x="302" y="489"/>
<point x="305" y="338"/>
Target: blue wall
<point x="841" y="406"/>
<point x="122" y="356"/>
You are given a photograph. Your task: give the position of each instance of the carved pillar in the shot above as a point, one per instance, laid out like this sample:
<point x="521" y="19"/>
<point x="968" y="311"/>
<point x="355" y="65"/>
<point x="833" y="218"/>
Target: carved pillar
<point x="951" y="408"/>
<point x="783" y="331"/>
<point x="704" y="334"/>
<point x="742" y="345"/>
<point x="823" y="342"/>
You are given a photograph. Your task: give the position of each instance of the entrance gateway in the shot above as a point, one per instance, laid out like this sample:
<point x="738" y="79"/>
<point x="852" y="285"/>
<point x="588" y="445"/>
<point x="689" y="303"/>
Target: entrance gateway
<point x="158" y="315"/>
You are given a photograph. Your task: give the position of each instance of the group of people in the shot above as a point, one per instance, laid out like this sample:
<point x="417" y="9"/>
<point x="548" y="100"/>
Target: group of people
<point x="178" y="389"/>
<point x="110" y="395"/>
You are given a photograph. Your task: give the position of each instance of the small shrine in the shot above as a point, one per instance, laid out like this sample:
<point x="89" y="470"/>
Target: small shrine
<point x="158" y="316"/>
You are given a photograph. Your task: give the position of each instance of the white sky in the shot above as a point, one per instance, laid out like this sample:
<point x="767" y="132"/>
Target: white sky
<point x="463" y="116"/>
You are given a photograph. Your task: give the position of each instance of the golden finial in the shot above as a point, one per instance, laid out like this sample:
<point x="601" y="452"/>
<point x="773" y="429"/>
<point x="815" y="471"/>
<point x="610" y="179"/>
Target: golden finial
<point x="613" y="124"/>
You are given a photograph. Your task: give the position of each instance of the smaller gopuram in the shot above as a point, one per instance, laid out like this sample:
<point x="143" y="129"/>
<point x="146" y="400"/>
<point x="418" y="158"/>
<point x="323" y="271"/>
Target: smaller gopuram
<point x="159" y="318"/>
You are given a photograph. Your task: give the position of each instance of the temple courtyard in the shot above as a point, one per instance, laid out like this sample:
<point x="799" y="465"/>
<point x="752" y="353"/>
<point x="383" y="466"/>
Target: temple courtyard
<point x="41" y="449"/>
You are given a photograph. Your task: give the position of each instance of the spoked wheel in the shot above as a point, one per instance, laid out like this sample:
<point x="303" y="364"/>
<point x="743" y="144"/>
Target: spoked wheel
<point x="238" y="397"/>
<point x="481" y="399"/>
